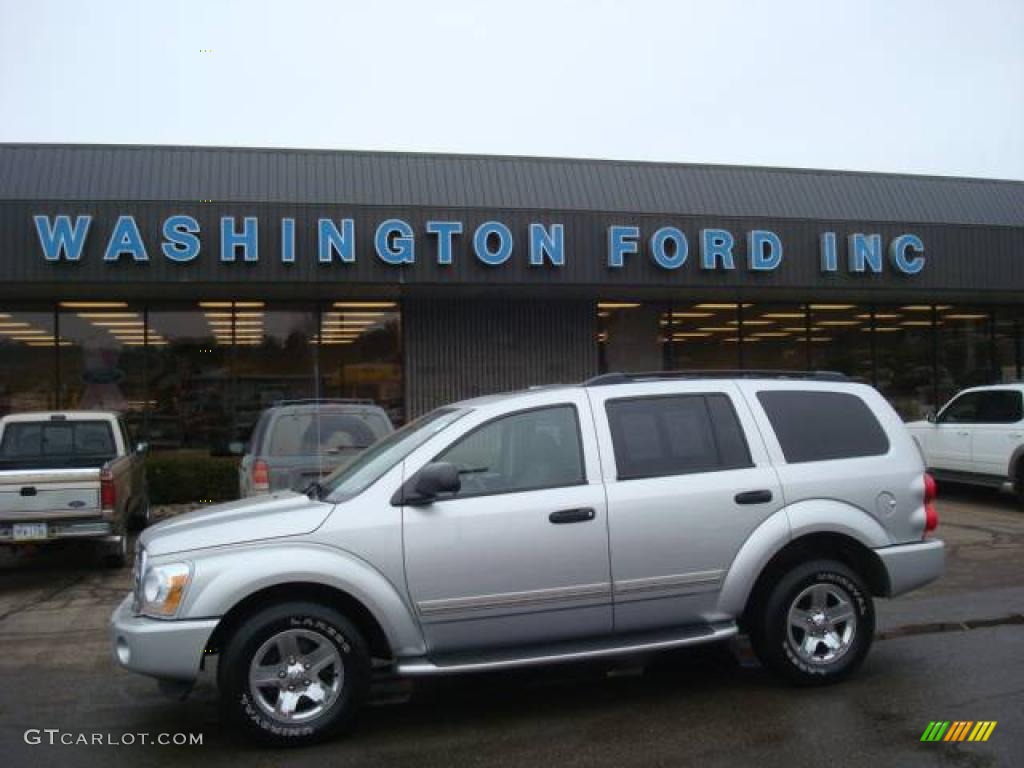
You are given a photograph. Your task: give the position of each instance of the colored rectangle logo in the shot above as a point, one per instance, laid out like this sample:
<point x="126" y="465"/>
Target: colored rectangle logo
<point x="958" y="730"/>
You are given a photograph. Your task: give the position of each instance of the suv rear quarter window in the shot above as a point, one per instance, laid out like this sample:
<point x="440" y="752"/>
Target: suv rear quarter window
<point x="675" y="434"/>
<point x="812" y="425"/>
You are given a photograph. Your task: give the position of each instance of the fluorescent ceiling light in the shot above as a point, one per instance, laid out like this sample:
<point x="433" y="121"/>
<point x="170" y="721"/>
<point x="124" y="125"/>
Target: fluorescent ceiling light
<point x="611" y="305"/>
<point x="94" y="304"/>
<point x="365" y="304"/>
<point x="719" y="306"/>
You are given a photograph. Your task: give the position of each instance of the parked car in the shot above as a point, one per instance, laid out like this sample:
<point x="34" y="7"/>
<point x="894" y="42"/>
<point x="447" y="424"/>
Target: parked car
<point x="977" y="438"/>
<point x="71" y="475"/>
<point x="631" y="514"/>
<point x="299" y="442"/>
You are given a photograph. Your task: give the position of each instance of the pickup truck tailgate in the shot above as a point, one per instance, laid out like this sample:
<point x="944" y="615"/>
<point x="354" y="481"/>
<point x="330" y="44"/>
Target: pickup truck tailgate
<point x="32" y="494"/>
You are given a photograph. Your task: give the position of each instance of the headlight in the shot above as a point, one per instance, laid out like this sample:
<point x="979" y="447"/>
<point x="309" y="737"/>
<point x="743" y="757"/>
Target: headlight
<point x="163" y="587"/>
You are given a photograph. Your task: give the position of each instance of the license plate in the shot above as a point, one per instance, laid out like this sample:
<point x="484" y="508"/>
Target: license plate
<point x="29" y="531"/>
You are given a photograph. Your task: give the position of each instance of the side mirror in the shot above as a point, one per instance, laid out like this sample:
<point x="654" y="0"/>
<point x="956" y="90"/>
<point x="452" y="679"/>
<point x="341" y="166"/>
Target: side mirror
<point x="930" y="417"/>
<point x="141" y="447"/>
<point x="429" y="484"/>
<point x="237" y="448"/>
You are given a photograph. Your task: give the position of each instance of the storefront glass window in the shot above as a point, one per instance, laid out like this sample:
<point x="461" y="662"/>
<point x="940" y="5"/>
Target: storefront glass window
<point x="904" y="358"/>
<point x="630" y="336"/>
<point x="360" y="353"/>
<point x="189" y="379"/>
<point x="28" y="357"/>
<point x="702" y="335"/>
<point x="840" y="339"/>
<point x="102" y="358"/>
<point x="273" y="359"/>
<point x="965" y="348"/>
<point x="774" y="337"/>
<point x="1007" y="343"/>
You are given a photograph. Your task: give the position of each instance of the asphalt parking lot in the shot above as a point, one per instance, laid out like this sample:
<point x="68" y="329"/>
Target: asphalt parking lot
<point x="949" y="652"/>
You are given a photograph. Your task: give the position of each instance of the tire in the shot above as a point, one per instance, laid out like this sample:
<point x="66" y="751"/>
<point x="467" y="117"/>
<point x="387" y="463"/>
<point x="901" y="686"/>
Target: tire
<point x="139" y="518"/>
<point x="1018" y="482"/>
<point x="835" y="640"/>
<point x="323" y="703"/>
<point x="115" y="555"/>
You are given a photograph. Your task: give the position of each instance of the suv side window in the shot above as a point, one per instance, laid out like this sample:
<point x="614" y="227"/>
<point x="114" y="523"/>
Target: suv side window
<point x="525" y="451"/>
<point x="1000" y="406"/>
<point x="997" y="406"/>
<point x="817" y="426"/>
<point x="963" y="410"/>
<point x="675" y="435"/>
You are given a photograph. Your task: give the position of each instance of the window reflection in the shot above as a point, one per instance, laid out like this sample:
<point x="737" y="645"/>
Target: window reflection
<point x="840" y="339"/>
<point x="904" y="360"/>
<point x="1007" y="346"/>
<point x="360" y="353"/>
<point x="28" y="351"/>
<point x="273" y="360"/>
<point x="774" y="337"/>
<point x="189" y="379"/>
<point x="965" y="349"/>
<point x="703" y="335"/>
<point x="102" y="359"/>
<point x="630" y="338"/>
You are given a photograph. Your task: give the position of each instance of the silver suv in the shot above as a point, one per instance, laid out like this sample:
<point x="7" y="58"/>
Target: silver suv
<point x="630" y="514"/>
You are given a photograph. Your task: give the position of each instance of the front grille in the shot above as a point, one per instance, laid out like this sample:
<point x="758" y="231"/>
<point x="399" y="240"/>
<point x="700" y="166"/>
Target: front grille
<point x="138" y="572"/>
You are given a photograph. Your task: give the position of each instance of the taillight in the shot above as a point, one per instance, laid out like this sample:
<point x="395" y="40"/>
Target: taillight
<point x="260" y="476"/>
<point x="931" y="515"/>
<point x="108" y="494"/>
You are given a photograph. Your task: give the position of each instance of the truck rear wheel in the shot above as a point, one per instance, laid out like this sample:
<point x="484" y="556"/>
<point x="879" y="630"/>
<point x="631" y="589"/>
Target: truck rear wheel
<point x="114" y="551"/>
<point x="816" y="625"/>
<point x="294" y="674"/>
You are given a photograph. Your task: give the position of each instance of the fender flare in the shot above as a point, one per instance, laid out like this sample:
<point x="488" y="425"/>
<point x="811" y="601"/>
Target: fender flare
<point x="787" y="525"/>
<point x="226" y="578"/>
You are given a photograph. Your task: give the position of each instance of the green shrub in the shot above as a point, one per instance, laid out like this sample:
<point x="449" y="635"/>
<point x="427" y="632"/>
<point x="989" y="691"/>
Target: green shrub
<point x="189" y="476"/>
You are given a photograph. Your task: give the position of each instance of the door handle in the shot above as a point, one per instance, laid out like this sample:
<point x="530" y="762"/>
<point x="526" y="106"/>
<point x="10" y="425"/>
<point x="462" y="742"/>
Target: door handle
<point x="753" y="497"/>
<point x="963" y="434"/>
<point x="578" y="515"/>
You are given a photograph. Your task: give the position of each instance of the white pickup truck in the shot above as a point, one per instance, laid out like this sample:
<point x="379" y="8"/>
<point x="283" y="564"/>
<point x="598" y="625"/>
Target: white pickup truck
<point x="71" y="475"/>
<point x="977" y="438"/>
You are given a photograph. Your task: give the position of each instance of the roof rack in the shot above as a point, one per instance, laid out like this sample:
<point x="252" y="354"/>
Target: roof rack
<point x="607" y="379"/>
<point x="326" y="400"/>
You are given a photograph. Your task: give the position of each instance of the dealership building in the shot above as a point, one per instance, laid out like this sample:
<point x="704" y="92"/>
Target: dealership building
<point x="191" y="287"/>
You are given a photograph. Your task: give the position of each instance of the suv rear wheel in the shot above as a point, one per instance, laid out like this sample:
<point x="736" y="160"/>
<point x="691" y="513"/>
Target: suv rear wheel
<point x="816" y="625"/>
<point x="294" y="673"/>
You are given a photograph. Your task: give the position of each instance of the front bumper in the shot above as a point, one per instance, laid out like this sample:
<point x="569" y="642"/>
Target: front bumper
<point x="167" y="649"/>
<point x="910" y="566"/>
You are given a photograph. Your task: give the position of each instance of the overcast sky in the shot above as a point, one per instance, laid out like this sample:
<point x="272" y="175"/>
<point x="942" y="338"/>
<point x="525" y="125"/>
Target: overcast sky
<point x="918" y="86"/>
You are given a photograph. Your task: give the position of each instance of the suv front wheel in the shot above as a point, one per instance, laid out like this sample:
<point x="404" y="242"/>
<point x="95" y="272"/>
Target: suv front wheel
<point x="816" y="625"/>
<point x="294" y="673"/>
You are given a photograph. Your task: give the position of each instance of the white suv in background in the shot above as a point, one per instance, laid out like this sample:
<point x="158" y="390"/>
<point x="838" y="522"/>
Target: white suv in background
<point x="977" y="438"/>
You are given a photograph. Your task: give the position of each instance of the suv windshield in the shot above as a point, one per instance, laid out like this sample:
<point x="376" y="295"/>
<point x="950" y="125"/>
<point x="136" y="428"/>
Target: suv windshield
<point x="354" y="478"/>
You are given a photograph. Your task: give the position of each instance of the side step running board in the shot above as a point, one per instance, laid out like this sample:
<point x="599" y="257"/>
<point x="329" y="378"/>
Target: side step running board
<point x="561" y="653"/>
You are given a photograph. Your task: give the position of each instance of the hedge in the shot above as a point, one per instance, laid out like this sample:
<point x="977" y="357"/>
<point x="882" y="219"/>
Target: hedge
<point x="186" y="476"/>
